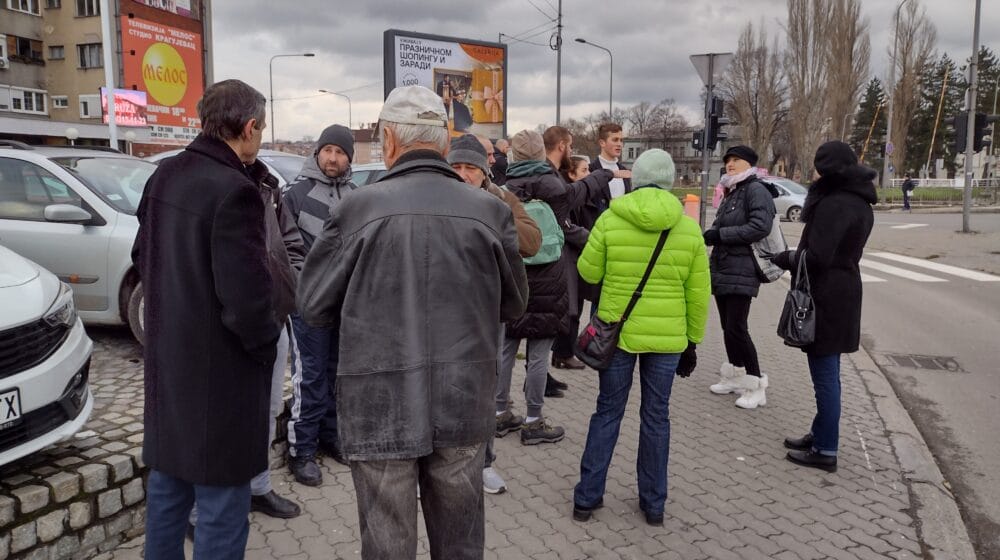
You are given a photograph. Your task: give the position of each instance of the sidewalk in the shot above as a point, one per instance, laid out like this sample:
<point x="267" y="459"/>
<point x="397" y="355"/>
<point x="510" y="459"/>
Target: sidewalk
<point x="732" y="494"/>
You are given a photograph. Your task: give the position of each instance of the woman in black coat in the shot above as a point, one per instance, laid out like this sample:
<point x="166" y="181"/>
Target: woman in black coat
<point x="744" y="216"/>
<point x="838" y="218"/>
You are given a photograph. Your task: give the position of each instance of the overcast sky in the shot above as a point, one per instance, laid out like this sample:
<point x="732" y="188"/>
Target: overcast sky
<point x="651" y="41"/>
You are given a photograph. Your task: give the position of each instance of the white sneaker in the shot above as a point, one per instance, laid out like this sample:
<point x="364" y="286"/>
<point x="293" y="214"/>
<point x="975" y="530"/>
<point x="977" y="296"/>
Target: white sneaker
<point x="730" y="378"/>
<point x="492" y="482"/>
<point x="754" y="394"/>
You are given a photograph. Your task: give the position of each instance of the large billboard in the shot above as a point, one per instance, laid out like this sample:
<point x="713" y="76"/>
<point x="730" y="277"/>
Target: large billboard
<point x="166" y="63"/>
<point x="470" y="76"/>
<point x="130" y="107"/>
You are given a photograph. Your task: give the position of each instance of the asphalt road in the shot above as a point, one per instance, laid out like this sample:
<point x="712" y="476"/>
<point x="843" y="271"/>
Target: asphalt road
<point x="935" y="332"/>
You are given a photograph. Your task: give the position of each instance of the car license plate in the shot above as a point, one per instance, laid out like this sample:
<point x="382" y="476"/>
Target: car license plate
<point x="10" y="408"/>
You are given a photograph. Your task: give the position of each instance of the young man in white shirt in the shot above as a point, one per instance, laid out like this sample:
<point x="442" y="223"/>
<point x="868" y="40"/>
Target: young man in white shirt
<point x="610" y="139"/>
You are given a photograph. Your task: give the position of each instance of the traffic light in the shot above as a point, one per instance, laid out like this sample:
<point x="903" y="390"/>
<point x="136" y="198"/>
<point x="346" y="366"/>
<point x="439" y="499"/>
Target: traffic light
<point x="983" y="132"/>
<point x="960" y="124"/>
<point x="716" y="122"/>
<point x="696" y="139"/>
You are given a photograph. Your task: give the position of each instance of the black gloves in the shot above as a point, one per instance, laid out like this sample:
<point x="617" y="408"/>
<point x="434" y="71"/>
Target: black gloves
<point x="783" y="260"/>
<point x="712" y="237"/>
<point x="689" y="359"/>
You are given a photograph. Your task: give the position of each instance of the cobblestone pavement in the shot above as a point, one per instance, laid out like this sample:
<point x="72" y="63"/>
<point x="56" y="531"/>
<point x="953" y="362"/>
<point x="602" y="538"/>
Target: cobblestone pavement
<point x="732" y="494"/>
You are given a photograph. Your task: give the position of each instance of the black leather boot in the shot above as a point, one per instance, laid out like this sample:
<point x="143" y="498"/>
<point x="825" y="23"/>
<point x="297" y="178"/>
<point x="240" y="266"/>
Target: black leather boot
<point x="813" y="460"/>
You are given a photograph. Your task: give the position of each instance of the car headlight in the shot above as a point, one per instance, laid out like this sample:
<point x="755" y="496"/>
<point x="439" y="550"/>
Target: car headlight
<point x="62" y="312"/>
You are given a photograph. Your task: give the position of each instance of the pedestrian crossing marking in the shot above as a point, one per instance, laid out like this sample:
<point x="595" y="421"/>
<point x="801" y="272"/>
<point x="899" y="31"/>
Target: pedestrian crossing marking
<point x="939" y="267"/>
<point x="902" y="272"/>
<point x="909" y="226"/>
<point x="869" y="279"/>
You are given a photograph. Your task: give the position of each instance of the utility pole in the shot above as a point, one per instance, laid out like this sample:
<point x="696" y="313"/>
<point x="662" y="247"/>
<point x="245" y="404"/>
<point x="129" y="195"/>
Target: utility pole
<point x="971" y="131"/>
<point x="108" y="46"/>
<point x="558" y="48"/>
<point x="707" y="66"/>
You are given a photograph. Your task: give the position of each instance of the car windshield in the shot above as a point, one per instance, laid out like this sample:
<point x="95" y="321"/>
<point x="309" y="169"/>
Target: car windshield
<point x="117" y="180"/>
<point x="792" y="186"/>
<point x="289" y="166"/>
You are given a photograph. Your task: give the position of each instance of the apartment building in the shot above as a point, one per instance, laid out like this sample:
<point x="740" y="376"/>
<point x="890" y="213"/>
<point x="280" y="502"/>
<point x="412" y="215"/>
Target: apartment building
<point x="52" y="71"/>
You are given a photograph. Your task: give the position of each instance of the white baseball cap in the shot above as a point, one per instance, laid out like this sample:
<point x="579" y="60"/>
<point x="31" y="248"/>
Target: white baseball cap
<point x="414" y="105"/>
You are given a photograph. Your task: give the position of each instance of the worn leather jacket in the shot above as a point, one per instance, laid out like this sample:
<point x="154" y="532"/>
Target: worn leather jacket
<point x="419" y="270"/>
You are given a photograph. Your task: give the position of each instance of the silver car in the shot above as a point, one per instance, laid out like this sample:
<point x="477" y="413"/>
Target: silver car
<point x="72" y="210"/>
<point x="791" y="198"/>
<point x="282" y="165"/>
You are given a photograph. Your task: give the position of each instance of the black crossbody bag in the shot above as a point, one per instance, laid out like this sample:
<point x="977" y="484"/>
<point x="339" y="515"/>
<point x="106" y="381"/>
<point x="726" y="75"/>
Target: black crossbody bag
<point x="597" y="343"/>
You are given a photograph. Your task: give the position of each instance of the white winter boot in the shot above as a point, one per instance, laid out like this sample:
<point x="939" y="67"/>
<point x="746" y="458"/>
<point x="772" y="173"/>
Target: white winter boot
<point x="753" y="393"/>
<point x="729" y="379"/>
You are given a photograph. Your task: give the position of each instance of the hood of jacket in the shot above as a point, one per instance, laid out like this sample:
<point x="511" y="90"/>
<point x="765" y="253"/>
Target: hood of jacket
<point x="528" y="168"/>
<point x="649" y="208"/>
<point x="311" y="170"/>
<point x="855" y="179"/>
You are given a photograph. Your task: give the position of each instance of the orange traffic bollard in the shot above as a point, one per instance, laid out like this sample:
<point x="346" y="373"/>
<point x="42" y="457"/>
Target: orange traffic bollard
<point x="692" y="205"/>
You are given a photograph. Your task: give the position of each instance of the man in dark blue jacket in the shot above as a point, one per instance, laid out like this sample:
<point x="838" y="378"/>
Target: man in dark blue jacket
<point x="323" y="182"/>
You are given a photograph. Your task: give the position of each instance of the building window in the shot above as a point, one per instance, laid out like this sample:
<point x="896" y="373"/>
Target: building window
<point x="88" y="8"/>
<point x="28" y="101"/>
<point x="26" y="6"/>
<point x="53" y="3"/>
<point x="25" y="50"/>
<point x="91" y="55"/>
<point x="60" y="102"/>
<point x="57" y="52"/>
<point x="90" y="106"/>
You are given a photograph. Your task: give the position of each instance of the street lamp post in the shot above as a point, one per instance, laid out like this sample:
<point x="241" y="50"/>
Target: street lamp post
<point x="270" y="83"/>
<point x="349" y="119"/>
<point x="891" y="91"/>
<point x="611" y="81"/>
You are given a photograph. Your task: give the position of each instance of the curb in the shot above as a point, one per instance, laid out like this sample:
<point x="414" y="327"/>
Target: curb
<point x="943" y="209"/>
<point x="939" y="523"/>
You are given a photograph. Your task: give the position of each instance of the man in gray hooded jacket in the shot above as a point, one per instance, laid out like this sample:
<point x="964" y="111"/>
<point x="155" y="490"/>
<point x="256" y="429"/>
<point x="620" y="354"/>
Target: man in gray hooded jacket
<point x="321" y="185"/>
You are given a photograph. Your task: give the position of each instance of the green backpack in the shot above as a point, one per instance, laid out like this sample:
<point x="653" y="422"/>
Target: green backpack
<point x="552" y="234"/>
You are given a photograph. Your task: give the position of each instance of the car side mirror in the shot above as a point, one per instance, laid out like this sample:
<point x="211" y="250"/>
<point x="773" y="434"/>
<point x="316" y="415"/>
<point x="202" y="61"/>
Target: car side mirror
<point x="66" y="213"/>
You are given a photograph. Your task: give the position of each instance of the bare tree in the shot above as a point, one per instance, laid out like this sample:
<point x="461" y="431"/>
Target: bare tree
<point x="640" y="118"/>
<point x="666" y="122"/>
<point x="807" y="65"/>
<point x="849" y="53"/>
<point x="754" y="89"/>
<point x="915" y="42"/>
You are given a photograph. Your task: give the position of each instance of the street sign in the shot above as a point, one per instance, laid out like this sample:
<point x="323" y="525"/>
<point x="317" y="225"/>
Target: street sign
<point x="701" y="64"/>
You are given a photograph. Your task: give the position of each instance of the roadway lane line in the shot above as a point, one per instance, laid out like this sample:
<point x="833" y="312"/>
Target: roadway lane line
<point x="947" y="269"/>
<point x="896" y="271"/>
<point x="909" y="226"/>
<point x="869" y="279"/>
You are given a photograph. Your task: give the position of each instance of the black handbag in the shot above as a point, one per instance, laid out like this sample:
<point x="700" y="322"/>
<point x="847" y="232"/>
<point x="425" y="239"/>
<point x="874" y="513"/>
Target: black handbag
<point x="597" y="343"/>
<point x="797" y="325"/>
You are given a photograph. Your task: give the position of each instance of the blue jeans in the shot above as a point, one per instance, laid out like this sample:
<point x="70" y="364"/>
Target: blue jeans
<point x="825" y="372"/>
<point x="314" y="396"/>
<point x="656" y="376"/>
<point x="223" y="526"/>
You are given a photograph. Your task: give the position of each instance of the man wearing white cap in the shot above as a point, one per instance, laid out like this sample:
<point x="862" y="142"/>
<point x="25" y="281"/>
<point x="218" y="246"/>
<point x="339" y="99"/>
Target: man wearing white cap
<point x="418" y="270"/>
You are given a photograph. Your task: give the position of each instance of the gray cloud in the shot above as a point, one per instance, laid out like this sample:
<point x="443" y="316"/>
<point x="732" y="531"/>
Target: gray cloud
<point x="651" y="41"/>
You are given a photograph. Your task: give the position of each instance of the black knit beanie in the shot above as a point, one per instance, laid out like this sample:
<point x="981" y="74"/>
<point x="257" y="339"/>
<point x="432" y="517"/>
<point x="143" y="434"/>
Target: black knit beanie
<point x="745" y="153"/>
<point x="338" y="135"/>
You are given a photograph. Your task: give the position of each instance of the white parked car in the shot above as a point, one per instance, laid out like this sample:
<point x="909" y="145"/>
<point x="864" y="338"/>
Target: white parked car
<point x="44" y="360"/>
<point x="72" y="210"/>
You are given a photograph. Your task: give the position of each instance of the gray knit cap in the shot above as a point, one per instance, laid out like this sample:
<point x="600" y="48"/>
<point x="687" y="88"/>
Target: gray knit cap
<point x="468" y="149"/>
<point x="338" y="135"/>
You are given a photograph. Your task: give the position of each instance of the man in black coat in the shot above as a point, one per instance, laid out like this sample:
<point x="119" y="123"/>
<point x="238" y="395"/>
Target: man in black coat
<point x="499" y="167"/>
<point x="211" y="331"/>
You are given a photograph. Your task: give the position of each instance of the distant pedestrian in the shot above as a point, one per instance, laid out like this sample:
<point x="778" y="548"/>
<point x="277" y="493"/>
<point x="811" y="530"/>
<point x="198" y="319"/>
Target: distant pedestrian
<point x="211" y="330"/>
<point x="661" y="333"/>
<point x="418" y="270"/>
<point x="838" y="217"/>
<point x="498" y="169"/>
<point x="745" y="215"/>
<point x="324" y="181"/>
<point x="467" y="157"/>
<point x="908" y="185"/>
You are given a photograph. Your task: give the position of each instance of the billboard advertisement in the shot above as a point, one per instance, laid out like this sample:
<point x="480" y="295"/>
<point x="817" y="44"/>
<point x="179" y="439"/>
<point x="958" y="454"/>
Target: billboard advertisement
<point x="166" y="63"/>
<point x="179" y="7"/>
<point x="130" y="107"/>
<point x="470" y="76"/>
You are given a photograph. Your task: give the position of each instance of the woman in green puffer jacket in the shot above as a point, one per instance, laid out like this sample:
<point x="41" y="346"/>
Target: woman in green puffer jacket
<point x="661" y="333"/>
